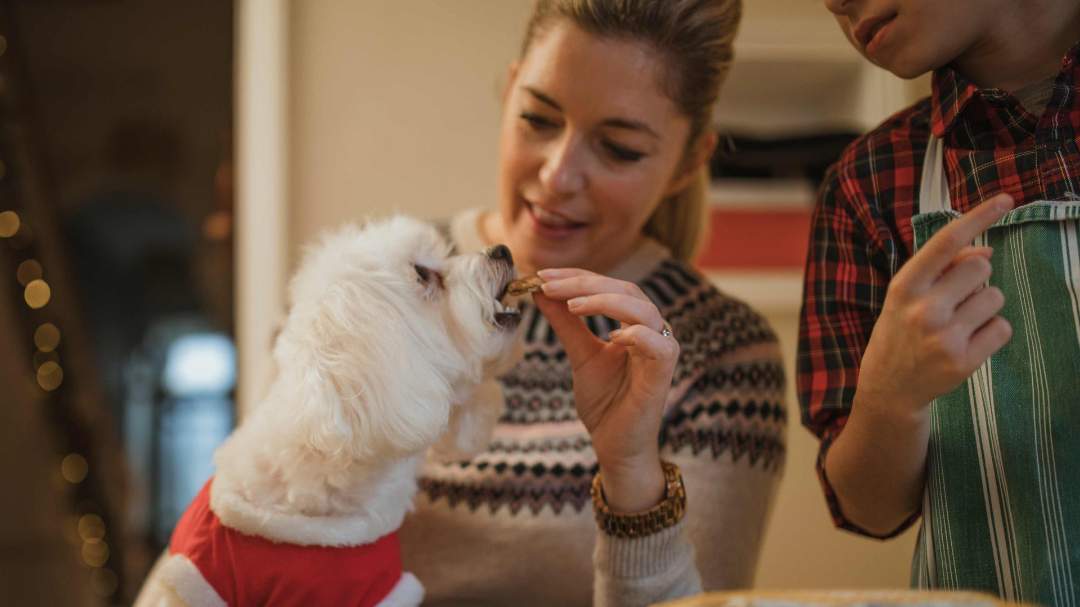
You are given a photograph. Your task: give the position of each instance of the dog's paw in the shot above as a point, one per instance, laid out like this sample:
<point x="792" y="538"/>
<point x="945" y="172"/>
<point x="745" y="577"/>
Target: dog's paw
<point x="472" y="424"/>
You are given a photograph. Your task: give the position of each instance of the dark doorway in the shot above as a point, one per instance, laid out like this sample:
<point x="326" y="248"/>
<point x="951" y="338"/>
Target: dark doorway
<point x="117" y="177"/>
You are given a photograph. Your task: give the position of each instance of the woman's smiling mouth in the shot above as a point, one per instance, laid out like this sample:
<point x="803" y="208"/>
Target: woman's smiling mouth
<point x="550" y="224"/>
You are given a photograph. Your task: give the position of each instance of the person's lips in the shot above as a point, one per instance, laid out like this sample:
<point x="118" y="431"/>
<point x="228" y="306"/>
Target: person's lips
<point x="868" y="29"/>
<point x="551" y="225"/>
<point x="552" y="219"/>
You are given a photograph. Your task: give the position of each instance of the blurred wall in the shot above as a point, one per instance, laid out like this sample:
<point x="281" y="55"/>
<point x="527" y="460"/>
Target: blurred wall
<point x="802" y="548"/>
<point x="395" y="106"/>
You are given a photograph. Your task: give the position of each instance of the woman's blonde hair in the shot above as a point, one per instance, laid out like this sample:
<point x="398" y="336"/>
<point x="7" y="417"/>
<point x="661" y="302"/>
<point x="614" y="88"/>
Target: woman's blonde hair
<point x="695" y="38"/>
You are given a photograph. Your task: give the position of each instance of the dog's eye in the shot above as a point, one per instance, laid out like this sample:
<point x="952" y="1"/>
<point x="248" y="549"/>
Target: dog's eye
<point x="428" y="277"/>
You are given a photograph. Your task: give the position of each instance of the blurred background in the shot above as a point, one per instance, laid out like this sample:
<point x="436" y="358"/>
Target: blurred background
<point x="140" y="282"/>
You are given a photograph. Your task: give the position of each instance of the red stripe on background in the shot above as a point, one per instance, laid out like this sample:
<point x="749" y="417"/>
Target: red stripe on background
<point x="749" y="239"/>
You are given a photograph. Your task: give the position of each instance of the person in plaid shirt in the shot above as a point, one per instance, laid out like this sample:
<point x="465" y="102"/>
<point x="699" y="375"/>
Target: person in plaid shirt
<point x="939" y="345"/>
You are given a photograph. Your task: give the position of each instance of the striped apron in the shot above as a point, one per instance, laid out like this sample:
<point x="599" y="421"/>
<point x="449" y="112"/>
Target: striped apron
<point x="1001" y="510"/>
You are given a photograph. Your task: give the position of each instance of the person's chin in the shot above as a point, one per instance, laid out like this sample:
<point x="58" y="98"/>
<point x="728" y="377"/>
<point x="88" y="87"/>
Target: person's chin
<point x="532" y="254"/>
<point x="547" y="257"/>
<point x="904" y="62"/>
<point x="909" y="69"/>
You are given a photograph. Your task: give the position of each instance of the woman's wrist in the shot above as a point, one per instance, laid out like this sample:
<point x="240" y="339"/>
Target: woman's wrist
<point x="634" y="485"/>
<point x="642" y="522"/>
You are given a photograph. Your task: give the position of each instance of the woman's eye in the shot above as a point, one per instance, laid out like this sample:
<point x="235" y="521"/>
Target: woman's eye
<point x="622" y="153"/>
<point x="537" y="122"/>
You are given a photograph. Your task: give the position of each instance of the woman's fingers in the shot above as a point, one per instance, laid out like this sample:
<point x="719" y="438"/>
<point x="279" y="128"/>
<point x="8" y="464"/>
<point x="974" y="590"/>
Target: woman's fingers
<point x="623" y="308"/>
<point x="647" y="343"/>
<point x="557" y="273"/>
<point x="589" y="284"/>
<point x="575" y="336"/>
<point x="587" y="293"/>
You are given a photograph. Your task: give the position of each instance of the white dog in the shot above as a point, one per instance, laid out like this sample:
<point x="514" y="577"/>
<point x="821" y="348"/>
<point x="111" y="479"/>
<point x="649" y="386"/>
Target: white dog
<point x="390" y="348"/>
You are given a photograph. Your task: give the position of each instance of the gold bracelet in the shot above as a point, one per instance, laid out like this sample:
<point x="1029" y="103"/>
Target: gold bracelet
<point x="639" y="524"/>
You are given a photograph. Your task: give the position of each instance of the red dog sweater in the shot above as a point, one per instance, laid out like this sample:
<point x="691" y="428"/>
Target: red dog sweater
<point x="226" y="567"/>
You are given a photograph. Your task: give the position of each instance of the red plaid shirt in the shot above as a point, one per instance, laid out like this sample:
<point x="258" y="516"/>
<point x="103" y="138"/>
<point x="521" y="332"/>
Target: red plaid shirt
<point x="861" y="230"/>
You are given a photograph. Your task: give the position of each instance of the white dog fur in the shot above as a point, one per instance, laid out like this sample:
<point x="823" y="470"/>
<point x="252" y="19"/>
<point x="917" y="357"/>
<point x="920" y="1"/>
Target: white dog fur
<point x="390" y="348"/>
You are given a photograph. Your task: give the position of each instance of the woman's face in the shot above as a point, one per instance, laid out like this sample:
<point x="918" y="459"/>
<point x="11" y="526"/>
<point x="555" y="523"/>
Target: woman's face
<point x="589" y="147"/>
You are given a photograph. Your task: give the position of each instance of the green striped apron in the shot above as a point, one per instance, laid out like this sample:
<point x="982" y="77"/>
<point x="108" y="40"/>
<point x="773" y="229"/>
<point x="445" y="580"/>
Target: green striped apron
<point x="1001" y="510"/>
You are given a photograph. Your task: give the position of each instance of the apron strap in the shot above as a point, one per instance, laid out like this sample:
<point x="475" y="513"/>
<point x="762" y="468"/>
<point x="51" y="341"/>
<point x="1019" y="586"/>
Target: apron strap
<point x="933" y="187"/>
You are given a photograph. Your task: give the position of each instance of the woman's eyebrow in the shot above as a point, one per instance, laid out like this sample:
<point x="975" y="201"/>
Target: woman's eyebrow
<point x="634" y="125"/>
<point x="619" y="123"/>
<point x="542" y="97"/>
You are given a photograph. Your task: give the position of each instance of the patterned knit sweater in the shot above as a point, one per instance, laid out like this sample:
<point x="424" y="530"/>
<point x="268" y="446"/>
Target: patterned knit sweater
<point x="514" y="526"/>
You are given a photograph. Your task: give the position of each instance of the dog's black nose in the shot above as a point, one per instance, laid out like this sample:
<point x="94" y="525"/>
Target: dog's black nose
<point x="500" y="252"/>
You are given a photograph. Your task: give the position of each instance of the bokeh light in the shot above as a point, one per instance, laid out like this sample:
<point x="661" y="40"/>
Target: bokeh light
<point x="28" y="270"/>
<point x="47" y="337"/>
<point x="91" y="528"/>
<point x="74" y="468"/>
<point x="9" y="224"/>
<point x="95" y="553"/>
<point x="37" y="294"/>
<point x="50" y="376"/>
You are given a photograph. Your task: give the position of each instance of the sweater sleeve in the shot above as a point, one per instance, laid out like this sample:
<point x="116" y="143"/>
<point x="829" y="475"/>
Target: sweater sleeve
<point x="645" y="570"/>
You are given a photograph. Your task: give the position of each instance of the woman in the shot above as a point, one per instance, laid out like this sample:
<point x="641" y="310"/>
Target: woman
<point x="604" y="144"/>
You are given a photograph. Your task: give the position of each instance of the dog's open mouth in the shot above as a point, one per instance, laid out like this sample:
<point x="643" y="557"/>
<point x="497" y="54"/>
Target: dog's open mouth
<point x="508" y="301"/>
<point x="507" y="308"/>
<point x="506" y="317"/>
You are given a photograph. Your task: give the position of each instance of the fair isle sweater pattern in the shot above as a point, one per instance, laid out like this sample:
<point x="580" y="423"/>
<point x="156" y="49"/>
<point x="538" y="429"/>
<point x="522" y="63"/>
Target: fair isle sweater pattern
<point x="731" y="405"/>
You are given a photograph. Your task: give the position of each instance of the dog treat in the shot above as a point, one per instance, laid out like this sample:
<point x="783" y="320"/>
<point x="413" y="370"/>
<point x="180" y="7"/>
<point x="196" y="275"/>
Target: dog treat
<point x="524" y="285"/>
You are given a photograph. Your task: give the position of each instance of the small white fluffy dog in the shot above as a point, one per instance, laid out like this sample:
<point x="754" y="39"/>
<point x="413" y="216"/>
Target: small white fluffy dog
<point x="390" y="348"/>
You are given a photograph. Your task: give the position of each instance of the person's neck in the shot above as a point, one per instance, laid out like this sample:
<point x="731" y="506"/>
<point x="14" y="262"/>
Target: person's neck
<point x="1025" y="46"/>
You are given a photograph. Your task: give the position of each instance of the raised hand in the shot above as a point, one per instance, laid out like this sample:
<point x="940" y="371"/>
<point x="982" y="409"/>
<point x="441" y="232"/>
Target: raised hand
<point x="620" y="385"/>
<point x="938" y="323"/>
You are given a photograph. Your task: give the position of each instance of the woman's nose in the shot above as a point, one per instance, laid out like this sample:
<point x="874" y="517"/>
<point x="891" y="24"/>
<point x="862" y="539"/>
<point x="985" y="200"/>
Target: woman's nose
<point x="839" y="7"/>
<point x="562" y="172"/>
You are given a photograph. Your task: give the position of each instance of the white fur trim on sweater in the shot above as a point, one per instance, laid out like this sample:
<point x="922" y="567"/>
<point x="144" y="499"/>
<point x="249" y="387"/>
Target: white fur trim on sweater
<point x="184" y="578"/>
<point x="406" y="593"/>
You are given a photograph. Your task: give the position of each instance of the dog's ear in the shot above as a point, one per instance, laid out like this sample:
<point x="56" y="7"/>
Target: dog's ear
<point x="362" y="386"/>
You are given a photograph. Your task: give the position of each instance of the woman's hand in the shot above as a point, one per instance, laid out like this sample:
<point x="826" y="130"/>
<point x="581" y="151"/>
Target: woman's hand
<point x="620" y="385"/>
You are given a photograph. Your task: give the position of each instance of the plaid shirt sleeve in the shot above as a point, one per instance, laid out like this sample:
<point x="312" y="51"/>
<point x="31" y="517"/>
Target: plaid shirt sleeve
<point x="854" y="251"/>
